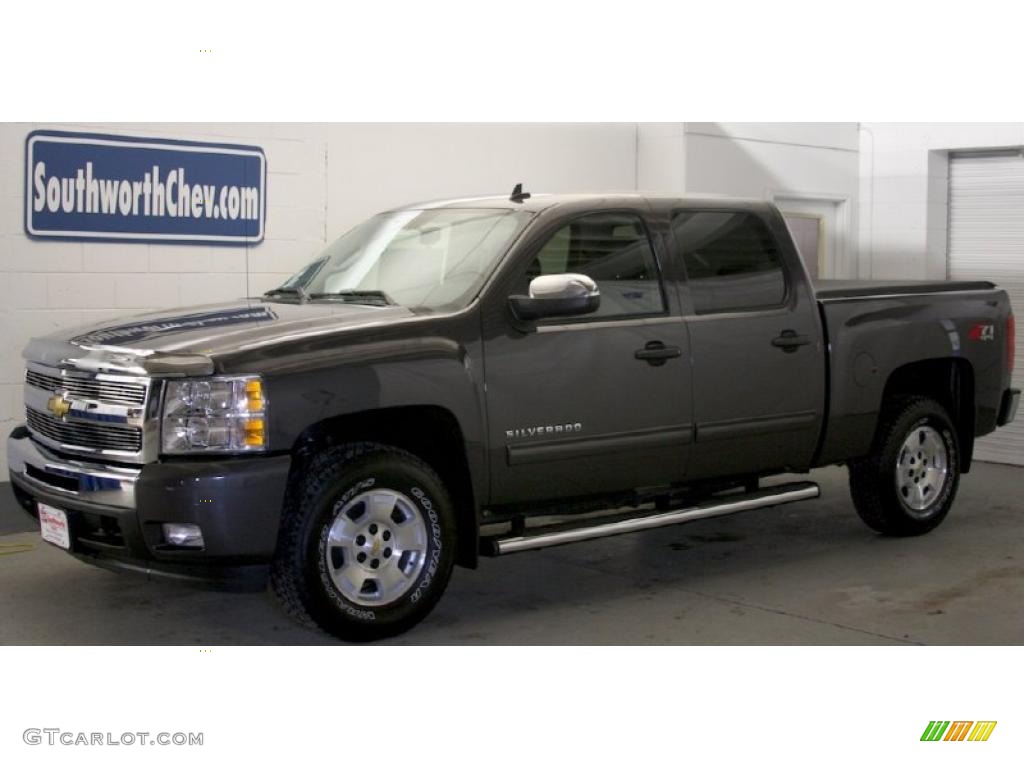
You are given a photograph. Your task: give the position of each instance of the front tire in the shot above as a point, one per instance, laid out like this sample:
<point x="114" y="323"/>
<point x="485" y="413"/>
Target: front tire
<point x="367" y="542"/>
<point x="906" y="486"/>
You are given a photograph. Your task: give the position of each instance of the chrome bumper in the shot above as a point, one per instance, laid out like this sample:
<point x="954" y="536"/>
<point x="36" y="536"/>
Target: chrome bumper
<point x="35" y="468"/>
<point x="116" y="514"/>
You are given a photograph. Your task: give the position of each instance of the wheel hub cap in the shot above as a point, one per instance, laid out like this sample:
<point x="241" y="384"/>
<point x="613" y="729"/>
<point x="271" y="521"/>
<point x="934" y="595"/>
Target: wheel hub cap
<point x="921" y="468"/>
<point x="376" y="547"/>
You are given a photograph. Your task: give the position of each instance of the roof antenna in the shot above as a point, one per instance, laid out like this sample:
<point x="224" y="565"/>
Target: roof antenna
<point x="518" y="195"/>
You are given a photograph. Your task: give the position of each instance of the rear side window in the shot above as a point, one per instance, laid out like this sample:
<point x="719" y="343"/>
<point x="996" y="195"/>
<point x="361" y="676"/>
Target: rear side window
<point x="613" y="250"/>
<point x="732" y="262"/>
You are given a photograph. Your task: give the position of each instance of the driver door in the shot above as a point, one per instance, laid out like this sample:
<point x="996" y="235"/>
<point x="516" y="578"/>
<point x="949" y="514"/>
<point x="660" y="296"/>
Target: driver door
<point x="594" y="403"/>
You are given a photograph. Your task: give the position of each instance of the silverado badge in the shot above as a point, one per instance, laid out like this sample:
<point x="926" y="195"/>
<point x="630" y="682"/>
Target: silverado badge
<point x="58" y="406"/>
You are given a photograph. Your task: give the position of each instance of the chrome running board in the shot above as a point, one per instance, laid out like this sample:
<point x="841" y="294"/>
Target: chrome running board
<point x="567" y="533"/>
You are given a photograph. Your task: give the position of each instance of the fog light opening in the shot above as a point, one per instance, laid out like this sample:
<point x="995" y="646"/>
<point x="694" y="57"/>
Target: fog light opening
<point x="183" y="535"/>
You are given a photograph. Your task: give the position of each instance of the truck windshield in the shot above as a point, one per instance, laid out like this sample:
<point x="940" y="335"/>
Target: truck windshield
<point x="421" y="259"/>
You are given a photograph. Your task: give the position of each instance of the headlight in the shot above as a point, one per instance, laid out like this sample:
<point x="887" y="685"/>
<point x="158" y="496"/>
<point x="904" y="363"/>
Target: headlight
<point x="224" y="413"/>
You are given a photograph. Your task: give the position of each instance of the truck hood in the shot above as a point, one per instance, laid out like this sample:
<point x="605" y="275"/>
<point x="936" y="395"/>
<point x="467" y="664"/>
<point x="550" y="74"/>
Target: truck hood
<point x="184" y="340"/>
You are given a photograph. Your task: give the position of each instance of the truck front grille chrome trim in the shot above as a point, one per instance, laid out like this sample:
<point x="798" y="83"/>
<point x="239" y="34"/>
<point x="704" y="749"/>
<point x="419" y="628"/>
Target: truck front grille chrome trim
<point x="644" y="520"/>
<point x="93" y="415"/>
<point x="89" y="388"/>
<point x="98" y="437"/>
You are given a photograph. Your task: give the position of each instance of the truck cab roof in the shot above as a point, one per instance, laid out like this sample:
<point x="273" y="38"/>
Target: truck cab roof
<point x="540" y="201"/>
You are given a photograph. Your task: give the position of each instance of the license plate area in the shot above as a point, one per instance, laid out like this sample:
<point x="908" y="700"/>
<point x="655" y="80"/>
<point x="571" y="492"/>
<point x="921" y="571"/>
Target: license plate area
<point x="53" y="526"/>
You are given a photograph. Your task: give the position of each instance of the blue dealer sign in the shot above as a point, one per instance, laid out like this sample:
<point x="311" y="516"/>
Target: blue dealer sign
<point x="82" y="186"/>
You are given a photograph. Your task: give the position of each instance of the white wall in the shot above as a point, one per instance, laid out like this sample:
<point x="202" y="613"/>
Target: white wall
<point x="904" y="170"/>
<point x="373" y="167"/>
<point x="817" y="161"/>
<point x="661" y="157"/>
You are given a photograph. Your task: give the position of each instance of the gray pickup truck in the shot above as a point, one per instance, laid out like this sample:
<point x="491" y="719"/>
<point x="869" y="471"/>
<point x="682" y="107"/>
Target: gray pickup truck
<point x="490" y="375"/>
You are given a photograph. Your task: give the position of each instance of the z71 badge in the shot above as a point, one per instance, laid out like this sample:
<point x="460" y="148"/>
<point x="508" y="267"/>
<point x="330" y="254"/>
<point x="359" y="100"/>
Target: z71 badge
<point x="982" y="332"/>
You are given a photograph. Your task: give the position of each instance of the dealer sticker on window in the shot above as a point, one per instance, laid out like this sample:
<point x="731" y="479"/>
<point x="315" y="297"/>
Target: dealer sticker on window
<point x="53" y="525"/>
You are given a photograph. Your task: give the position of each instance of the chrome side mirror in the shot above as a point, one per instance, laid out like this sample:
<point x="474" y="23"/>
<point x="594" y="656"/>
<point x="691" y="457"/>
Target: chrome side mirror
<point x="557" y="296"/>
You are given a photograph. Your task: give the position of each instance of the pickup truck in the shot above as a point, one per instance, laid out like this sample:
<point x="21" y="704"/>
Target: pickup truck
<point x="490" y="375"/>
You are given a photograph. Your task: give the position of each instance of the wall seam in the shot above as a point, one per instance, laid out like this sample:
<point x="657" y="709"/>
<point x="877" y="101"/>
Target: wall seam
<point x="327" y="151"/>
<point x="636" y="156"/>
<point x="769" y="141"/>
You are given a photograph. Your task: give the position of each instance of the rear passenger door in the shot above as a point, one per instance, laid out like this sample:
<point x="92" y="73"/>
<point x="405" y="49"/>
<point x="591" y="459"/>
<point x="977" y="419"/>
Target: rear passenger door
<point x="758" y="359"/>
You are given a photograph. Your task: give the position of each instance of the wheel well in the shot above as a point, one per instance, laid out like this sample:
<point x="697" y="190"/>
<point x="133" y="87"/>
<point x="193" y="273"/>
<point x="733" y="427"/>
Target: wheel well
<point x="950" y="381"/>
<point x="429" y="432"/>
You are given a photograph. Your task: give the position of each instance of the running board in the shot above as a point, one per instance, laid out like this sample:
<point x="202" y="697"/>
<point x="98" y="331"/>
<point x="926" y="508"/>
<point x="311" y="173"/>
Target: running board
<point x="567" y="533"/>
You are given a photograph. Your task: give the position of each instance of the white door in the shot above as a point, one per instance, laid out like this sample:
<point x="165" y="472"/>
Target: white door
<point x="986" y="242"/>
<point x="808" y="231"/>
<point x="814" y="226"/>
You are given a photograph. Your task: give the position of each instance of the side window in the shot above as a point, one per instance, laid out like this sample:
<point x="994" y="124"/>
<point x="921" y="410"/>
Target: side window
<point x="731" y="259"/>
<point x="612" y="249"/>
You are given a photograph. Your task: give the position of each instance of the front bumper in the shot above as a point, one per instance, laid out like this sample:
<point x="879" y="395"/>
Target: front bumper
<point x="115" y="513"/>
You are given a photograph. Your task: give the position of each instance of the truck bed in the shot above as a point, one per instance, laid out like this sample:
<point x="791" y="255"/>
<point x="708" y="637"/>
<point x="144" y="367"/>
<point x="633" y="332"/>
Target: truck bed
<point x="851" y="289"/>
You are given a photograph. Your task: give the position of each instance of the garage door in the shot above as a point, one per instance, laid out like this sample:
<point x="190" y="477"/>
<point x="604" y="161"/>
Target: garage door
<point x="986" y="241"/>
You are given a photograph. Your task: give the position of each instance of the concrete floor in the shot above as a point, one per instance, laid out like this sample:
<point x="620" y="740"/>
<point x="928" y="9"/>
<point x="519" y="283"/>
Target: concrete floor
<point x="809" y="573"/>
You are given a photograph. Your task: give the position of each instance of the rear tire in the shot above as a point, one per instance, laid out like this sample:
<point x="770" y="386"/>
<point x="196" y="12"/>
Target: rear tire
<point x="906" y="486"/>
<point x="367" y="542"/>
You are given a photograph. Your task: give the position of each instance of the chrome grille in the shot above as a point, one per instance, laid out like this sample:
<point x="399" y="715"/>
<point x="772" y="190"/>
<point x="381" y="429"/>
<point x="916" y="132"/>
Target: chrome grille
<point x="94" y="437"/>
<point x="118" y="392"/>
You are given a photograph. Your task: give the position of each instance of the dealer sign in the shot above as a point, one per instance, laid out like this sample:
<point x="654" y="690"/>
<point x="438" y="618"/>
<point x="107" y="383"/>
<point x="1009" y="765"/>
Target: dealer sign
<point x="82" y="186"/>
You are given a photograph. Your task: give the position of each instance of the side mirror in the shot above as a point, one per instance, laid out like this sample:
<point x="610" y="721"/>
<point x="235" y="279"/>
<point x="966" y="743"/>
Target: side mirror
<point x="557" y="296"/>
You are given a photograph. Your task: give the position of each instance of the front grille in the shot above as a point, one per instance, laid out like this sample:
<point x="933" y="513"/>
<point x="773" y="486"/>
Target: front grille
<point x="90" y="436"/>
<point x="117" y="392"/>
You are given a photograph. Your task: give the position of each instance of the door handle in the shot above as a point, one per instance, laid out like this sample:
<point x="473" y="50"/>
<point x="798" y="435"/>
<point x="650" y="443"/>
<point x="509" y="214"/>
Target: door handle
<point x="789" y="340"/>
<point x="656" y="353"/>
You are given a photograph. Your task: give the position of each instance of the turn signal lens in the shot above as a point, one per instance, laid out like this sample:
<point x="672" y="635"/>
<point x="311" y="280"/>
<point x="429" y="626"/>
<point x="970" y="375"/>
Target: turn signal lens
<point x="254" y="394"/>
<point x="254" y="436"/>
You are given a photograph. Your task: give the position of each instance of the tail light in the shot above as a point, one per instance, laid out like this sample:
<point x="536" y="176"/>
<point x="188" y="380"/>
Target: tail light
<point x="1011" y="341"/>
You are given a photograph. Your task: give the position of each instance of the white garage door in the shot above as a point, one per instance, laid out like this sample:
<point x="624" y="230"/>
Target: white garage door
<point x="986" y="241"/>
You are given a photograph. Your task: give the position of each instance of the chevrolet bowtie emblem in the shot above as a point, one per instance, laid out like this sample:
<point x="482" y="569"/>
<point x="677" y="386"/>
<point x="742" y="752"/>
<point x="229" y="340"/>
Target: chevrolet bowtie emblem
<point x="58" y="406"/>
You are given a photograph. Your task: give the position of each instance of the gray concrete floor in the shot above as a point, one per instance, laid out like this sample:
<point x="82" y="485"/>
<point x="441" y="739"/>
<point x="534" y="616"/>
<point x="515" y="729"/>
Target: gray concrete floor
<point x="809" y="573"/>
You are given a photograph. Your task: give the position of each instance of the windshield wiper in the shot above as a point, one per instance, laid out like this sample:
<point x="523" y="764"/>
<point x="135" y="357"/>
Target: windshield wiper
<point x="287" y="291"/>
<point x="357" y="297"/>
